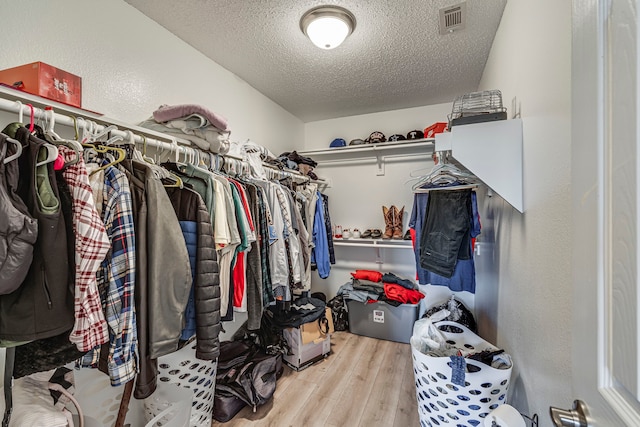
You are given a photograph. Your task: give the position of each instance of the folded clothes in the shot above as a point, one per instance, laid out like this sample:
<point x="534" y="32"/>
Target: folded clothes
<point x="208" y="139"/>
<point x="171" y="112"/>
<point x="374" y="276"/>
<point x="402" y="294"/>
<point x="392" y="278"/>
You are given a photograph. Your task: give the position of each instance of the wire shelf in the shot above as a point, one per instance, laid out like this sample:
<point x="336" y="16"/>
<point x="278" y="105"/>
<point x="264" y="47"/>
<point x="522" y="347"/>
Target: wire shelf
<point x="477" y="103"/>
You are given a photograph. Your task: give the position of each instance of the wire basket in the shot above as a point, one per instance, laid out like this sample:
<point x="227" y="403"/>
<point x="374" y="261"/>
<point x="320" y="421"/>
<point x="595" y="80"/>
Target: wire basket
<point x="440" y="402"/>
<point x="182" y="369"/>
<point x="477" y="103"/>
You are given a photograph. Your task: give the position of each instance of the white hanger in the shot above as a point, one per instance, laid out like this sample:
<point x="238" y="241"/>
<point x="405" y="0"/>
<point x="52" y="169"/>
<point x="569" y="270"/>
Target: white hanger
<point x="20" y="112"/>
<point x="52" y="154"/>
<point x="16" y="155"/>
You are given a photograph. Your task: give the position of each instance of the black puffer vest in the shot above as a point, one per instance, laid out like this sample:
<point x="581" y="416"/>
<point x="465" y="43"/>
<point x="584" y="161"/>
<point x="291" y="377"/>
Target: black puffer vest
<point x="42" y="306"/>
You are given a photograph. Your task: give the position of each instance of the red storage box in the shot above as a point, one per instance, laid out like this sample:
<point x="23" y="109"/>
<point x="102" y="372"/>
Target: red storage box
<point x="438" y="127"/>
<point x="45" y="80"/>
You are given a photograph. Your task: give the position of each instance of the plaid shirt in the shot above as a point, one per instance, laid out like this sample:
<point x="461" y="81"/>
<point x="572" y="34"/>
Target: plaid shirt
<point x="116" y="281"/>
<point x="91" y="247"/>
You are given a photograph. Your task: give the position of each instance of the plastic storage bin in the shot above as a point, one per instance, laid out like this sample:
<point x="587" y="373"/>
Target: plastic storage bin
<point x="381" y="320"/>
<point x="441" y="402"/>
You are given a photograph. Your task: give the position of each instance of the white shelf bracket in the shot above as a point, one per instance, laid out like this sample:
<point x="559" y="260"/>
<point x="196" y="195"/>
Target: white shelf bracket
<point x="380" y="164"/>
<point x="379" y="256"/>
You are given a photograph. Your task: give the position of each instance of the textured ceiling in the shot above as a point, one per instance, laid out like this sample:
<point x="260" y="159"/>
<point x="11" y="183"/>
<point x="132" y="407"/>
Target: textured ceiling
<point x="394" y="59"/>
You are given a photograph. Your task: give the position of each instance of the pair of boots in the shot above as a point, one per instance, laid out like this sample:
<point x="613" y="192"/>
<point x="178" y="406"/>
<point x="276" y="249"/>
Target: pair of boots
<point x="393" y="222"/>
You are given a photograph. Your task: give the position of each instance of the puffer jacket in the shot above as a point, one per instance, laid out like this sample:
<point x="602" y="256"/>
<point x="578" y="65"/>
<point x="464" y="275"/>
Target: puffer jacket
<point x="191" y="209"/>
<point x="18" y="230"/>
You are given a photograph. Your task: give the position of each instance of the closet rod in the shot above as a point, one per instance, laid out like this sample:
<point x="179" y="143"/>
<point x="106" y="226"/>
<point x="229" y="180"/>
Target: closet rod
<point x="67" y="120"/>
<point x="451" y="188"/>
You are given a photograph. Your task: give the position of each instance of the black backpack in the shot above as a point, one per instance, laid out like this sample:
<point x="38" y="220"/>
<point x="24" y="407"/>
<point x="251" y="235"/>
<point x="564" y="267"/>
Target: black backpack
<point x="339" y="313"/>
<point x="245" y="376"/>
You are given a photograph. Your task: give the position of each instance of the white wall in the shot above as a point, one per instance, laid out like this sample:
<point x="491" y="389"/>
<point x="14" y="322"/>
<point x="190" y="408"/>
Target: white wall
<point x="130" y="65"/>
<point x="526" y="306"/>
<point x="318" y="135"/>
<point x="357" y="193"/>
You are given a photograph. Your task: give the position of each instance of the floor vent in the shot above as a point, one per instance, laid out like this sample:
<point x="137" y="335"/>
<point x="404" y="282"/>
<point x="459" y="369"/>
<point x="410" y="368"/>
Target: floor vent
<point x="453" y="18"/>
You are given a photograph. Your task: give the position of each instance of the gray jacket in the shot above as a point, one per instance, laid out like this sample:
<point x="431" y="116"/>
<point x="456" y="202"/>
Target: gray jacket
<point x="161" y="260"/>
<point x="18" y="230"/>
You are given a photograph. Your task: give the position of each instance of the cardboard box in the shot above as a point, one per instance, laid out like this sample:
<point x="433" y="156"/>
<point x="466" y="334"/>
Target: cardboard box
<point x="45" y="80"/>
<point x="383" y="321"/>
<point x="312" y="331"/>
<point x="304" y="355"/>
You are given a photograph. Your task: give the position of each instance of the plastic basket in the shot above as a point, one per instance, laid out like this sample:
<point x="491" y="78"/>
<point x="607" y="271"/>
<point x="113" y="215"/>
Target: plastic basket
<point x="184" y="370"/>
<point x="442" y="403"/>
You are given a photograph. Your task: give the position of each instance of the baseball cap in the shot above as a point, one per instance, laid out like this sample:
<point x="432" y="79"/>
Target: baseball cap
<point x="397" y="137"/>
<point x="356" y="141"/>
<point x="415" y="134"/>
<point x="375" y="137"/>
<point x="338" y="142"/>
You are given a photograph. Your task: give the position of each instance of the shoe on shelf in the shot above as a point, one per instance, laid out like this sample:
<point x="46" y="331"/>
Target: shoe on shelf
<point x="407" y="235"/>
<point x="397" y="222"/>
<point x="376" y="233"/>
<point x="388" y="214"/>
<point x="356" y="233"/>
<point x="366" y="234"/>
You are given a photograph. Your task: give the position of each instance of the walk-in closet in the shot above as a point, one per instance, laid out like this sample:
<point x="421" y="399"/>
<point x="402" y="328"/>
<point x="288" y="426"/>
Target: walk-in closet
<point x="209" y="217"/>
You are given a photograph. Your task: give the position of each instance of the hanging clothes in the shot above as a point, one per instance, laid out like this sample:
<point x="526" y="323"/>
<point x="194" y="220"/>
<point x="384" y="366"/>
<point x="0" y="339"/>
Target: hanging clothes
<point x="463" y="277"/>
<point x="116" y="280"/>
<point x="43" y="305"/>
<point x="18" y="228"/>
<point x="162" y="259"/>
<point x="202" y="312"/>
<point x="320" y="253"/>
<point x="91" y="247"/>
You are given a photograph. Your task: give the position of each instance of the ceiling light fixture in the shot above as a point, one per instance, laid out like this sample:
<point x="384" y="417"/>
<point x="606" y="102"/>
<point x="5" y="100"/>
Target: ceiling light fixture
<point x="327" y="26"/>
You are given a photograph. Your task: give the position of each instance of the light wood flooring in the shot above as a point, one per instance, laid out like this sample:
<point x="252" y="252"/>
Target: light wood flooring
<point x="364" y="382"/>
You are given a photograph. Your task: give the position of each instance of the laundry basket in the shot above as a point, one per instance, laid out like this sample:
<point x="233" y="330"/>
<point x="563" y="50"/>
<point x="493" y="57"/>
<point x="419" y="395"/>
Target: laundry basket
<point x="182" y="369"/>
<point x="442" y="403"/>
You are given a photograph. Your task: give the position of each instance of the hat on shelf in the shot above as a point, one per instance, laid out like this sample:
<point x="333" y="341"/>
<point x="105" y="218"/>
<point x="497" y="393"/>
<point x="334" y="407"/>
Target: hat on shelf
<point x="415" y="134"/>
<point x="376" y="137"/>
<point x="357" y="141"/>
<point x="396" y="137"/>
<point x="338" y="142"/>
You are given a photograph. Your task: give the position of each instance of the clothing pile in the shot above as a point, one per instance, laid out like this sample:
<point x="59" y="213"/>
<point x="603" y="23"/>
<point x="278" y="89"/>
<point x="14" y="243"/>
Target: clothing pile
<point x="206" y="129"/>
<point x="295" y="161"/>
<point x="368" y="285"/>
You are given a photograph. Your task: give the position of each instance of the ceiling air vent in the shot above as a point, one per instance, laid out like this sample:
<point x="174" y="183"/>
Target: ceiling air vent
<point x="453" y="18"/>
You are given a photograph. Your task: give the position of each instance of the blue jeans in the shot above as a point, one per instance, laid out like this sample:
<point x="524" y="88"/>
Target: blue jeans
<point x="446" y="235"/>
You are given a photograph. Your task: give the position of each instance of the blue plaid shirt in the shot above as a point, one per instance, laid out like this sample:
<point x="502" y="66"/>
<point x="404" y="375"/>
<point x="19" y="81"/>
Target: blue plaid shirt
<point x="116" y="280"/>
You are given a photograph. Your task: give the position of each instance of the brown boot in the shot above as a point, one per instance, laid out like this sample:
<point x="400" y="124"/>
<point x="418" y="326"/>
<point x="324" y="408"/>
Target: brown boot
<point x="388" y="220"/>
<point x="397" y="222"/>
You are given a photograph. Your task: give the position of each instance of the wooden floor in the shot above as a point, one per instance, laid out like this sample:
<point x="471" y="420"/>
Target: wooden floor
<point x="364" y="382"/>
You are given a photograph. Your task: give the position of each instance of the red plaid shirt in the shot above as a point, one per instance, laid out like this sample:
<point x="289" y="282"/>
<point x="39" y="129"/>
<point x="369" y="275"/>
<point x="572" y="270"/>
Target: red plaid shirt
<point x="91" y="247"/>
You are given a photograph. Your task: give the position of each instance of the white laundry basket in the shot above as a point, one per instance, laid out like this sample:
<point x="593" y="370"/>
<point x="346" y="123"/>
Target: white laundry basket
<point x="442" y="403"/>
<point x="197" y="377"/>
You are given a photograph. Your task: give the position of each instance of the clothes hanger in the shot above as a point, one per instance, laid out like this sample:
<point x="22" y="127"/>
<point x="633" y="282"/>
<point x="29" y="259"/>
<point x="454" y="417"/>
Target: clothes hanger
<point x="17" y="153"/>
<point x="56" y="139"/>
<point x="52" y="154"/>
<point x="106" y="149"/>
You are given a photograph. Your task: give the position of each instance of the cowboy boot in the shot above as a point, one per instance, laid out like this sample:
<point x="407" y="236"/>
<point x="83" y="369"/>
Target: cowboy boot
<point x="397" y="223"/>
<point x="388" y="220"/>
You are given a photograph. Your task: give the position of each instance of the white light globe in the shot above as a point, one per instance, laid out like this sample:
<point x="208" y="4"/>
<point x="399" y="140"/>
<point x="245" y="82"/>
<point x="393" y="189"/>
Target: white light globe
<point x="327" y="32"/>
